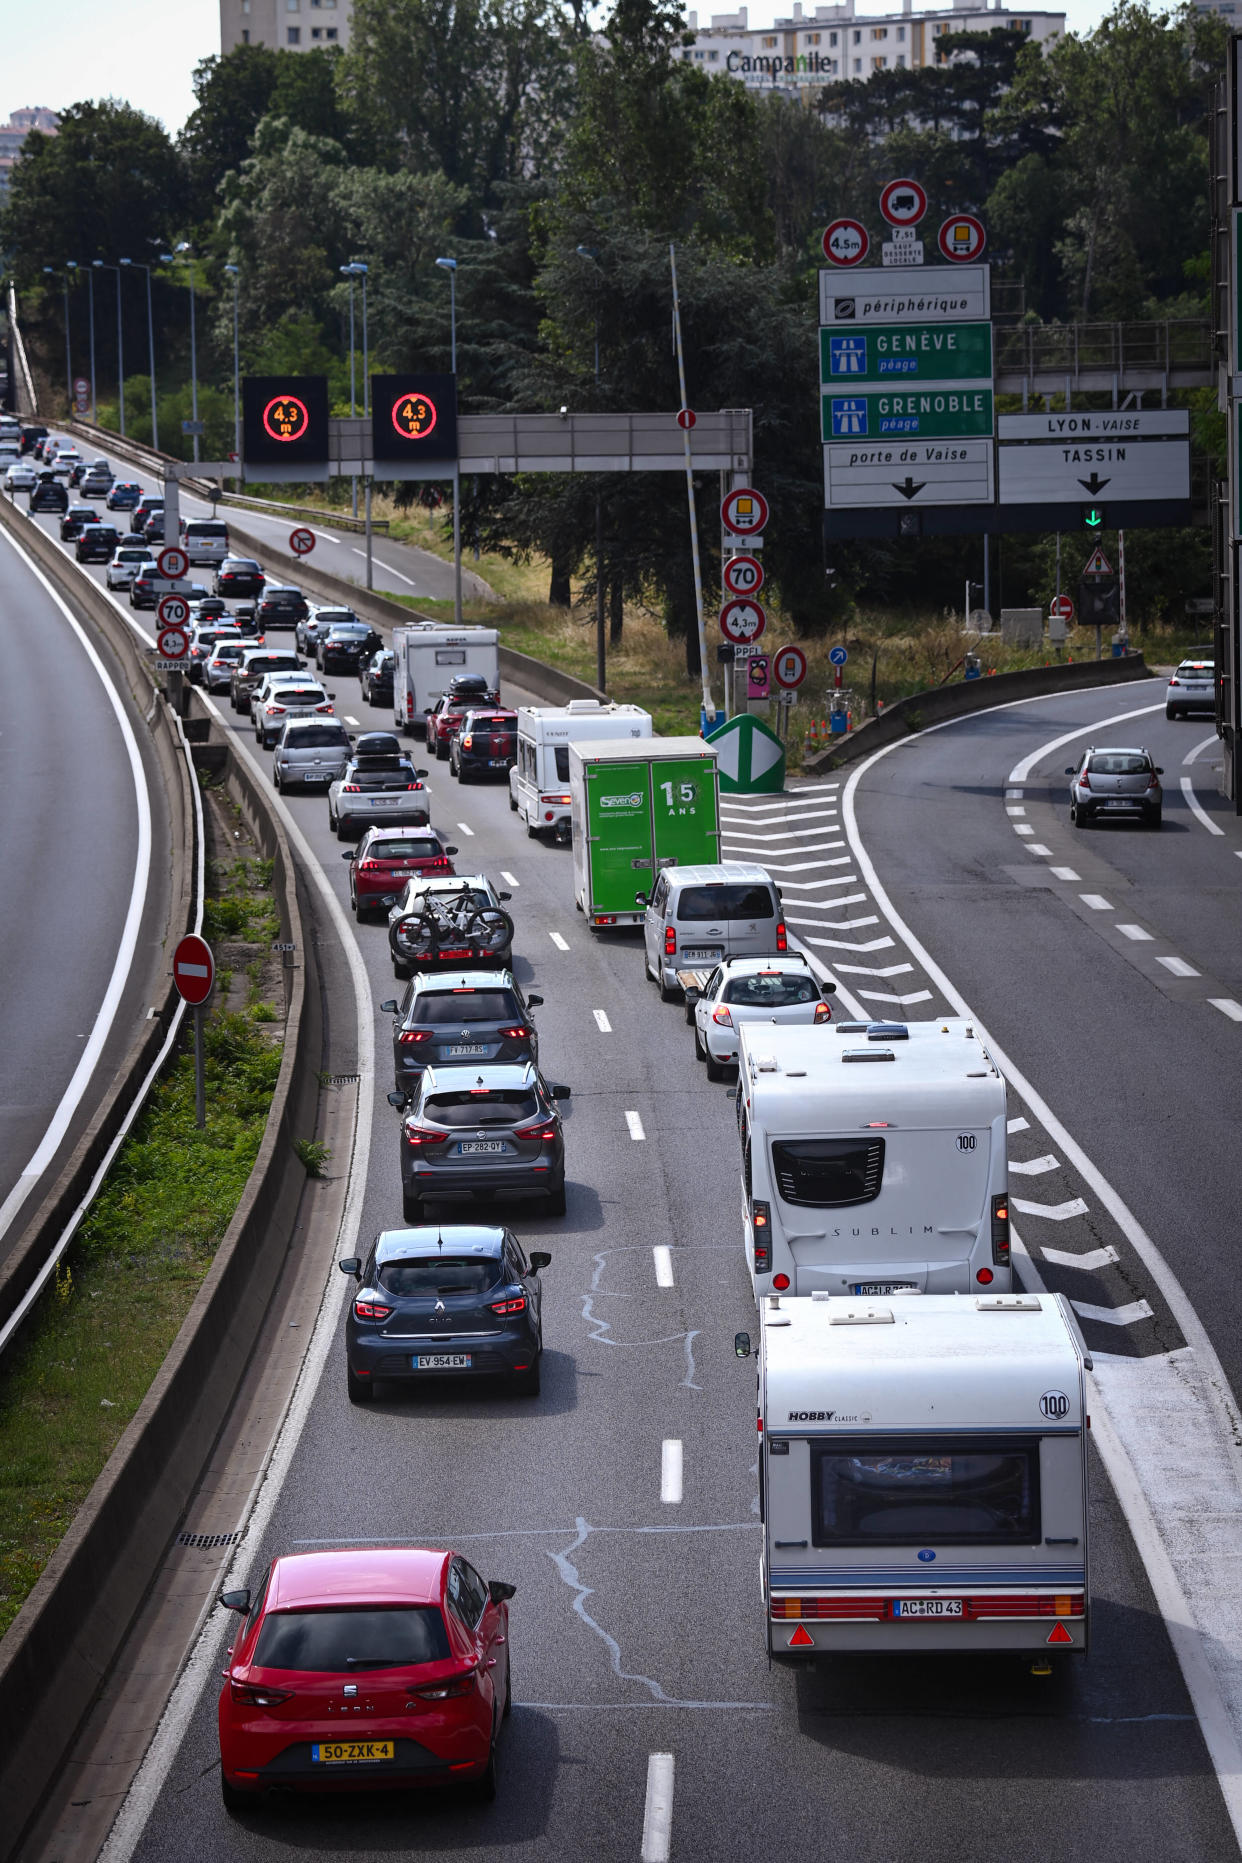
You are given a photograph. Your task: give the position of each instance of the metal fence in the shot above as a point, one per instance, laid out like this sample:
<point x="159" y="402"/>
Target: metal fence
<point x="1174" y="348"/>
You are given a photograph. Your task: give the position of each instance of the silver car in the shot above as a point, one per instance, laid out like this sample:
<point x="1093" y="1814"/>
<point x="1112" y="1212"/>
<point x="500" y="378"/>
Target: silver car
<point x="378" y="791"/>
<point x="311" y="753"/>
<point x="286" y="701"/>
<point x="1115" y="780"/>
<point x="752" y="989"/>
<point x="218" y="671"/>
<point x="125" y="564"/>
<point x="20" y="476"/>
<point x="1191" y="689"/>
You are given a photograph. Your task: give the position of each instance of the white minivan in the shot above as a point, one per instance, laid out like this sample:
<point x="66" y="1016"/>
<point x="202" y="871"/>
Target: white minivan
<point x="874" y="1159"/>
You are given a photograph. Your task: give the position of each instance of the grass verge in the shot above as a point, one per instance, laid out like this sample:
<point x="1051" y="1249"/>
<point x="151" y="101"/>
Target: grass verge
<point x="85" y="1360"/>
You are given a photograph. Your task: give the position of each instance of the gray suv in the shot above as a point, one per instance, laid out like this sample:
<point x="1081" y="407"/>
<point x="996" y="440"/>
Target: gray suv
<point x="696" y="916"/>
<point x="1115" y="780"/>
<point x="310" y="753"/>
<point x="484" y="1130"/>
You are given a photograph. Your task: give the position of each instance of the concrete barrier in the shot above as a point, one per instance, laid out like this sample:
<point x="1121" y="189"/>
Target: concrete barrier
<point x="906" y="716"/>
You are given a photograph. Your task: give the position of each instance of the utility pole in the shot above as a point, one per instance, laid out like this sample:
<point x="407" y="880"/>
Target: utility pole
<point x="709" y="704"/>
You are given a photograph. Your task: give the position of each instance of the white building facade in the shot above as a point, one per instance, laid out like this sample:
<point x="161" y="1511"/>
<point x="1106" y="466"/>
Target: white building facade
<point x="823" y="45"/>
<point x="284" y="25"/>
<point x="14" y="133"/>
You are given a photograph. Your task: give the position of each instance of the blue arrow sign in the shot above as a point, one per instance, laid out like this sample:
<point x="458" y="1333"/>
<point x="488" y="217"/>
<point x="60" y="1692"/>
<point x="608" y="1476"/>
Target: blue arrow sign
<point x="838" y="656"/>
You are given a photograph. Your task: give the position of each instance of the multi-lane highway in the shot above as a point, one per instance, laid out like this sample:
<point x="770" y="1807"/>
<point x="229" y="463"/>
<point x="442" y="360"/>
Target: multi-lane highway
<point x="637" y="1627"/>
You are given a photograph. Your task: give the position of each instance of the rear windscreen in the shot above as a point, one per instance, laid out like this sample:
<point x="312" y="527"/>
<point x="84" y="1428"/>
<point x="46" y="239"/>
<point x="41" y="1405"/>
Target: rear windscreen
<point x="316" y="737"/>
<point x="828" y="1174"/>
<point x="724" y="901"/>
<point x="403" y="850"/>
<point x="273" y="663"/>
<point x="441" y="1274"/>
<point x="1118" y="763"/>
<point x="480" y="1109"/>
<point x="386" y="779"/>
<point x="441" y="1008"/>
<point x="771" y="990"/>
<point x="339" y="1641"/>
<point x="957" y="1491"/>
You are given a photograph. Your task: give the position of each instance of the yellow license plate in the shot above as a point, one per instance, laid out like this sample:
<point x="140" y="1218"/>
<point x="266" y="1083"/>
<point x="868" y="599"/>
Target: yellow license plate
<point x="351" y="1752"/>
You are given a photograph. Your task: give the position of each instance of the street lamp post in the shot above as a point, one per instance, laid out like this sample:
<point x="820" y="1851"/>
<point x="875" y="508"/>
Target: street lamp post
<point x="51" y="271"/>
<point x="155" y="425"/>
<point x="168" y="258"/>
<point x="356" y="269"/>
<point x="233" y="273"/>
<point x="99" y="266"/>
<point x="450" y="266"/>
<point x="71" y="265"/>
<point x="347" y="271"/>
<point x="601" y="666"/>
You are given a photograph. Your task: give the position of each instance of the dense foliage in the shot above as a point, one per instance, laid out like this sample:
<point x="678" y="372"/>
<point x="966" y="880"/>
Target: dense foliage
<point x="556" y="166"/>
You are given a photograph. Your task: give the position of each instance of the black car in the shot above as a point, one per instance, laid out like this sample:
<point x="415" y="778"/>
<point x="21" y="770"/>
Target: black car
<point x="142" y="511"/>
<point x="239" y="575"/>
<point x="345" y="645"/>
<point x="456" y="1300"/>
<point x="460" y="1019"/>
<point x="49" y="495"/>
<point x="32" y="433"/>
<point x="280" y="605"/>
<point x="490" y="1130"/>
<point x="74" y="519"/>
<point x="153" y="529"/>
<point x="97" y="543"/>
<point x="376" y="677"/>
<point x="486" y="745"/>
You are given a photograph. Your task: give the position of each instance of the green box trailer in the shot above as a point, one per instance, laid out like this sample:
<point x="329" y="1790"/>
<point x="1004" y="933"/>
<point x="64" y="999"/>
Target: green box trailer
<point x="638" y="806"/>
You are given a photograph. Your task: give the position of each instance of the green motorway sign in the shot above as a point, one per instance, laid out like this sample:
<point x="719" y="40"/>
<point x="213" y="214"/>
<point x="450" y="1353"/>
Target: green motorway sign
<point x="913" y="352"/>
<point x="931" y="413"/>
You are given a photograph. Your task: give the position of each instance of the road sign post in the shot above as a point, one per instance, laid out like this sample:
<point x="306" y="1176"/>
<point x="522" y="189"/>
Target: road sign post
<point x="194" y="976"/>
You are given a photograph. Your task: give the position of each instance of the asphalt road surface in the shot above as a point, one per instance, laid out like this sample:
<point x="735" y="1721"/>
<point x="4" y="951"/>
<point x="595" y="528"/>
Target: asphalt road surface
<point x="637" y="1626"/>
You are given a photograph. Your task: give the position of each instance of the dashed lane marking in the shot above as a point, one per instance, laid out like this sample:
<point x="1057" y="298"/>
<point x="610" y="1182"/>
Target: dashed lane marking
<point x="1064" y="873"/>
<point x="509" y="879"/>
<point x="349" y="720"/>
<point x="1135" y="933"/>
<point x="601" y="1022"/>
<point x="1179" y="967"/>
<point x="1018" y="1124"/>
<point x="1227" y="1007"/>
<point x="1037" y="847"/>
<point x="636" y="1125"/>
<point x="1023" y="828"/>
<point x="1096" y="901"/>
<point x="558" y="941"/>
<point x="466" y="828"/>
<point x="663" y="1258"/>
<point x="658" y="1809"/>
<point x="1016" y="810"/>
<point x="671" y="1461"/>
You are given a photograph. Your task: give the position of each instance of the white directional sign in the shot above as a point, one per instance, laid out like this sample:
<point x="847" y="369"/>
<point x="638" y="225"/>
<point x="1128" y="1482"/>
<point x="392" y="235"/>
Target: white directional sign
<point x="1075" y="471"/>
<point x="931" y="472"/>
<point x="1095" y="424"/>
<point x="906" y="294"/>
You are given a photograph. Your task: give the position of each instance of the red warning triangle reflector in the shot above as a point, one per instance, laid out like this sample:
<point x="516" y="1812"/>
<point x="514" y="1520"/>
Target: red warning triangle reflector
<point x="801" y="1639"/>
<point x="1059" y="1634"/>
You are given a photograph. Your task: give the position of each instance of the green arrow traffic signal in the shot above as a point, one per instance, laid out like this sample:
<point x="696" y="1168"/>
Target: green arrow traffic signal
<point x="1093" y="517"/>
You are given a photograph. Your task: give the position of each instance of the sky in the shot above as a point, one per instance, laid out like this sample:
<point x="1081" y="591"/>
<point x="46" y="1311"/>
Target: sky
<point x="145" y="51"/>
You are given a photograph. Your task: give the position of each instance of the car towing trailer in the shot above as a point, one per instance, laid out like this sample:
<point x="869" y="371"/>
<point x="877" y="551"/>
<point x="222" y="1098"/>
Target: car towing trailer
<point x="922" y="1475"/>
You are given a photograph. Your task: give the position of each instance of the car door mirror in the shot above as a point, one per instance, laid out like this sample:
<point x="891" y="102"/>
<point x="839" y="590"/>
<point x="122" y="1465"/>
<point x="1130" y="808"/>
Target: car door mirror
<point x="532" y="1002"/>
<point x="640" y="900"/>
<point x="559" y="1090"/>
<point x="348" y="854"/>
<point x="351" y="1264"/>
<point x="499" y="1592"/>
<point x="420" y="772"/>
<point x="399" y="1100"/>
<point x="741" y="1344"/>
<point x="451" y="850"/>
<point x="1070" y="770"/>
<point x="235" y="1600"/>
<point x="503" y="896"/>
<point x="828" y="989"/>
<point x="389" y="1006"/>
<point x="692" y="997"/>
<point x="1159" y="769"/>
<point x="539" y="1259"/>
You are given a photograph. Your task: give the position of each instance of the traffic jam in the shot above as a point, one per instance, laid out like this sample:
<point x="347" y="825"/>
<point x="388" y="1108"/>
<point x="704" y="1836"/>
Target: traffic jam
<point x="922" y="1473"/>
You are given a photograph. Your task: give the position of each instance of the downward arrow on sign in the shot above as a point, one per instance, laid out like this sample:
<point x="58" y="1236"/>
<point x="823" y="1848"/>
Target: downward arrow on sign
<point x="909" y="489"/>
<point x="1095" y="484"/>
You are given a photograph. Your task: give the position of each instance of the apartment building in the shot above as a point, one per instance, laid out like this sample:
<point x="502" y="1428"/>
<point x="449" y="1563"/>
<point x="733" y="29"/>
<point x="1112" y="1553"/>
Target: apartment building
<point x="285" y="25"/>
<point x="14" y="133"/>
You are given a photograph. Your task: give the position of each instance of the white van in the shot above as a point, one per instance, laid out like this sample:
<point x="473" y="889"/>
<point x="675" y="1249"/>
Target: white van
<point x="539" y="780"/>
<point x="874" y="1159"/>
<point x="428" y="657"/>
<point x="922" y="1474"/>
<point x="205" y="540"/>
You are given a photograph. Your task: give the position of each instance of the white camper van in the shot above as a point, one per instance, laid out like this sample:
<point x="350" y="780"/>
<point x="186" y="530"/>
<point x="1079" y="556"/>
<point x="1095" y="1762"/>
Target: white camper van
<point x="428" y="657"/>
<point x="874" y="1159"/>
<point x="539" y="780"/>
<point x="922" y="1474"/>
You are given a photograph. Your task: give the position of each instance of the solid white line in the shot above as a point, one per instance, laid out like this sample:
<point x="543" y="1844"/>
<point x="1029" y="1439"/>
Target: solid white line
<point x="558" y="941"/>
<point x="509" y="879"/>
<point x="1096" y="901"/>
<point x="874" y="970"/>
<point x="1197" y="809"/>
<point x="1227" y="1007"/>
<point x="1034" y="1167"/>
<point x="601" y="1022"/>
<point x="127" y="941"/>
<point x="636" y="1125"/>
<point x="658" y="1809"/>
<point x="1135" y="933"/>
<point x="663" y="1257"/>
<point x="1193" y="755"/>
<point x="466" y="828"/>
<point x="878" y="996"/>
<point x="1129" y="1315"/>
<point x="388" y="569"/>
<point x="1094" y="1258"/>
<point x="1022" y="770"/>
<point x="1064" y="873"/>
<point x="1055" y="1212"/>
<point x="1179" y="966"/>
<point x="670" y="1470"/>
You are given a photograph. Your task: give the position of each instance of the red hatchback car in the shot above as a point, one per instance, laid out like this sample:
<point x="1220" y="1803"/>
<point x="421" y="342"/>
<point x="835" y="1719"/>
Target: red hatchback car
<point x="386" y="858"/>
<point x="360" y="1669"/>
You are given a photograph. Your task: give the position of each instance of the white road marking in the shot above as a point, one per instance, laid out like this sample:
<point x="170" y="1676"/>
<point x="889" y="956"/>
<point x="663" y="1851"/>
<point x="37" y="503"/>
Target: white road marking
<point x="601" y="1022"/>
<point x="558" y="941"/>
<point x="671" y="1470"/>
<point x="658" y="1809"/>
<point x="663" y="1258"/>
<point x="1179" y="966"/>
<point x="1135" y="933"/>
<point x="1064" y="873"/>
<point x="636" y="1125"/>
<point x="804" y="847"/>
<point x="466" y="828"/>
<point x="509" y="879"/>
<point x="1034" y="1167"/>
<point x="852" y="944"/>
<point x="1016" y="811"/>
<point x="389" y="570"/>
<point x="1094" y="1258"/>
<point x="349" y="720"/>
<point x="1055" y="1212"/>
<point x="1018" y="1125"/>
<point x="1014" y="795"/>
<point x="806" y="866"/>
<point x="825" y="905"/>
<point x="1022" y="770"/>
<point x="1096" y="901"/>
<point x="796" y="834"/>
<point x="1023" y="828"/>
<point x="789" y="887"/>
<point x="849" y="924"/>
<point x="1129" y="1315"/>
<point x="1037" y="847"/>
<point x="874" y="970"/>
<point x="879" y="996"/>
<point x="1227" y="1007"/>
<point x="1197" y="809"/>
<point x="1192" y="755"/>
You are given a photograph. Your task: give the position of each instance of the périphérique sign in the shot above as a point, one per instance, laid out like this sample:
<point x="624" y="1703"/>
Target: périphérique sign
<point x="906" y="294"/>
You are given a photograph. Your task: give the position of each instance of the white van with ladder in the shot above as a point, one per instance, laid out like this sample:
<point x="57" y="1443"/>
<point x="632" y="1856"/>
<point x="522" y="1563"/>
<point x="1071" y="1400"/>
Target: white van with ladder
<point x="922" y="1474"/>
<point x="428" y="657"/>
<point x="874" y="1159"/>
<point x="539" y="780"/>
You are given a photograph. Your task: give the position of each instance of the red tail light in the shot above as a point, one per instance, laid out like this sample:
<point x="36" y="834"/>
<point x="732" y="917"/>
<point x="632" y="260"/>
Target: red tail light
<point x="1084" y="781"/>
<point x="759" y="1218"/>
<point x="273" y="709"/>
<point x="780" y="1282"/>
<point x="351" y="789"/>
<point x="1175" y="682"/>
<point x="517" y="1032"/>
<point x="324" y="708"/>
<point x="413" y="785"/>
<point x="823" y="1012"/>
<point x="1000" y="1231"/>
<point x="510" y="1306"/>
<point x="544" y="1134"/>
<point x="722" y="1016"/>
<point x="782" y="937"/>
<point x="875" y="1608"/>
<point x="253" y="1695"/>
<point x="371" y="1310"/>
<point x="408" y="1037"/>
<point x="370" y="866"/>
<point x="449" y="1689"/>
<point x="423" y="1135"/>
<point x="467" y="742"/>
<point x="670" y="941"/>
<point x="1153" y="781"/>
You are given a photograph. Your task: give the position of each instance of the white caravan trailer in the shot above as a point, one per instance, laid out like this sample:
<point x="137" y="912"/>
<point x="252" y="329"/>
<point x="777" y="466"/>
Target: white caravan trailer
<point x="922" y="1474"/>
<point x="429" y="657"/>
<point x="874" y="1159"/>
<point x="539" y="780"/>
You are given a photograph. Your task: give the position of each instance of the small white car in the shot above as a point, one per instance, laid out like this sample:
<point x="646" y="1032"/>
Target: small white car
<point x="752" y="989"/>
<point x="125" y="564"/>
<point x="283" y="696"/>
<point x="1191" y="689"/>
<point x="20" y="476"/>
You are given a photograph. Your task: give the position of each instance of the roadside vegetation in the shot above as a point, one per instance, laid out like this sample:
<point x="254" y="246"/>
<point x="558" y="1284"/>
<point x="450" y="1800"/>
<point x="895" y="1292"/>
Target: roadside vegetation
<point x="78" y="1371"/>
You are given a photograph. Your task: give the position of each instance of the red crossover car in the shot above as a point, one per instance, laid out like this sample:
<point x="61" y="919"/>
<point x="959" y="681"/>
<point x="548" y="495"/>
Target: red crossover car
<point x="445" y="721"/>
<point x="386" y="858"/>
<point x="357" y="1669"/>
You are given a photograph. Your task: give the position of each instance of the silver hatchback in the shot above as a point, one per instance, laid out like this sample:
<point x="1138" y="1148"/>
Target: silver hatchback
<point x="311" y="753"/>
<point x="1191" y="689"/>
<point x="1115" y="780"/>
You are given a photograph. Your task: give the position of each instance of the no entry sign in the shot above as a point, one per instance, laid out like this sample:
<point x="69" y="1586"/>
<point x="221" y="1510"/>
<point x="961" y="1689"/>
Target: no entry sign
<point x="301" y="541"/>
<point x="194" y="969"/>
<point x="686" y="419"/>
<point x="1061" y="608"/>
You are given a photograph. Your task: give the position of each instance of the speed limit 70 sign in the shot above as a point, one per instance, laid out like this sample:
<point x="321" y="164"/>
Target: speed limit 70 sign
<point x="742" y="575"/>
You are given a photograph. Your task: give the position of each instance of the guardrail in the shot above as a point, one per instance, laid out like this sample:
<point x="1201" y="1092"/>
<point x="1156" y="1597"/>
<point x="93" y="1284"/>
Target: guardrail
<point x="1171" y="353"/>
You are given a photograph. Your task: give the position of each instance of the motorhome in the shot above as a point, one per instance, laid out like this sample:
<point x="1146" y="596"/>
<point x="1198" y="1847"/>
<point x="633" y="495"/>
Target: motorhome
<point x="428" y="656"/>
<point x="539" y="780"/>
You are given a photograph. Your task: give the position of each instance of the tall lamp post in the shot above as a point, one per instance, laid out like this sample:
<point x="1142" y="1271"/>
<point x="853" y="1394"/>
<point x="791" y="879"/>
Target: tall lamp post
<point x="155" y="425"/>
<point x="450" y="266"/>
<point x="601" y="667"/>
<point x="71" y="265"/>
<point x="99" y="266"/>
<point x="168" y="258"/>
<point x="356" y="269"/>
<point x="51" y="272"/>
<point x="347" y="271"/>
<point x="231" y="271"/>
